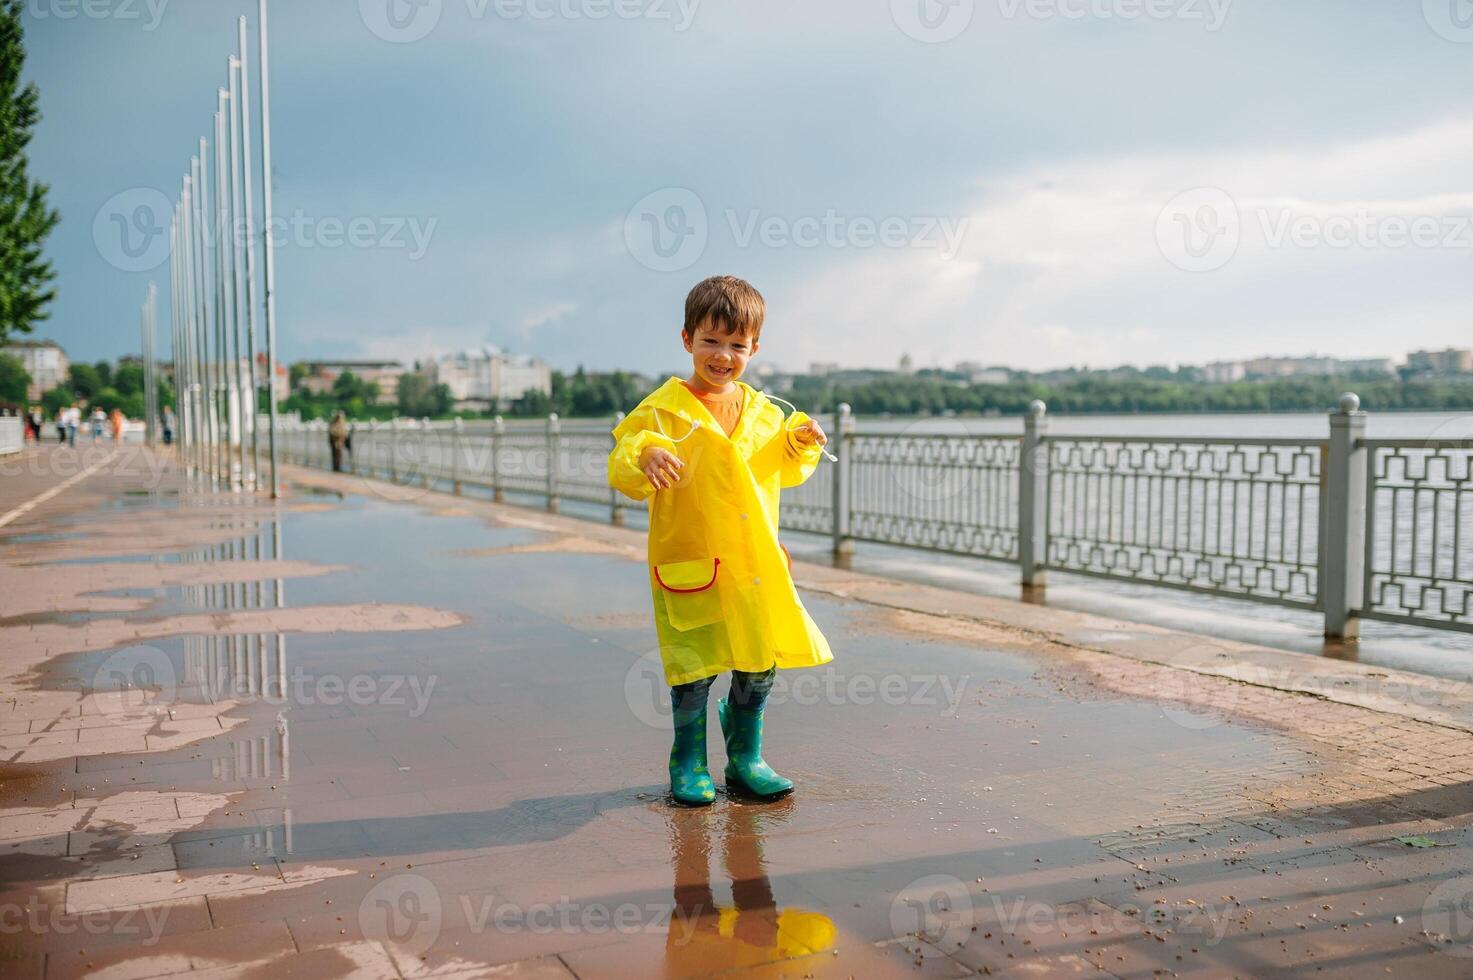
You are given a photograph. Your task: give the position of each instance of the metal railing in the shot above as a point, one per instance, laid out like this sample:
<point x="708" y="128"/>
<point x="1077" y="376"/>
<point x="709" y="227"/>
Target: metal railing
<point x="12" y="434"/>
<point x="1352" y="527"/>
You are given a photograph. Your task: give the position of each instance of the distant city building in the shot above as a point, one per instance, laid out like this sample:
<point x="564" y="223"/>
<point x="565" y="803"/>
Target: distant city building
<point x="321" y="375"/>
<point x="1224" y="372"/>
<point x="1451" y="361"/>
<point x="980" y="374"/>
<point x="281" y="388"/>
<point x="44" y="361"/>
<point x="490" y="379"/>
<point x="1369" y="365"/>
<point x="907" y="366"/>
<point x="821" y="368"/>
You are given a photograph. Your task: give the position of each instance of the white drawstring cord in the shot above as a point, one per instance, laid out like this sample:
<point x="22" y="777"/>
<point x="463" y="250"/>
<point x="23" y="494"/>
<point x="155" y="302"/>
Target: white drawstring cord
<point x="771" y="397"/>
<point x="694" y="425"/>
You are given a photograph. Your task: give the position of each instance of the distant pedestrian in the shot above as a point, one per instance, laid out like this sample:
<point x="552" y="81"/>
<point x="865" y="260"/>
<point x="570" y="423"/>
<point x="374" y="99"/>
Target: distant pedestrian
<point x="337" y="439"/>
<point x="98" y="419"/>
<point x="168" y="426"/>
<point x="61" y="425"/>
<point x="118" y="420"/>
<point x="73" y="423"/>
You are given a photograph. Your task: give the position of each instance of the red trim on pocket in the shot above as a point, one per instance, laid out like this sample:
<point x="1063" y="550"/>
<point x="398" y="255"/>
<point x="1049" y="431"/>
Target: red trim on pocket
<point x="715" y="567"/>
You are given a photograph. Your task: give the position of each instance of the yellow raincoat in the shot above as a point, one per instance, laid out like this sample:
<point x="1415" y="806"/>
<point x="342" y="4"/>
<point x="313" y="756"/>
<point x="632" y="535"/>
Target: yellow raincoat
<point x="723" y="594"/>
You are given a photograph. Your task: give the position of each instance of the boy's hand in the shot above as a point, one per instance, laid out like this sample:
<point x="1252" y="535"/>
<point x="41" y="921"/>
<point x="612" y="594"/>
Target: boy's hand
<point x="810" y="432"/>
<point x="660" y="466"/>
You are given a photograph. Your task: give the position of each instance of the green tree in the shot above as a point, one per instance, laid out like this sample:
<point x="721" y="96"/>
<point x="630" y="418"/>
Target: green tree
<point x="104" y="373"/>
<point x="56" y="399"/>
<point x="84" y="380"/>
<point x="14" y="379"/>
<point x="25" y="218"/>
<point x="128" y="378"/>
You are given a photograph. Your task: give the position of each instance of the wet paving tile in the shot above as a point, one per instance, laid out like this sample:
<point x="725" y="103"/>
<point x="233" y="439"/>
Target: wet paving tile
<point x="434" y="800"/>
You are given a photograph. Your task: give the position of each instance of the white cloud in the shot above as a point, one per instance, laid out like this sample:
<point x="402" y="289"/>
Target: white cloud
<point x="1062" y="264"/>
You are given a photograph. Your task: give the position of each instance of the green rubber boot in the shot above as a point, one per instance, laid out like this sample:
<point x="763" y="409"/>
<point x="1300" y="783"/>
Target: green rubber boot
<point x="744" y="766"/>
<point x="690" y="780"/>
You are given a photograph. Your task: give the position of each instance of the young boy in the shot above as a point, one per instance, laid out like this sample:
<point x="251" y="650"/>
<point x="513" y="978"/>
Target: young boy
<point x="711" y="454"/>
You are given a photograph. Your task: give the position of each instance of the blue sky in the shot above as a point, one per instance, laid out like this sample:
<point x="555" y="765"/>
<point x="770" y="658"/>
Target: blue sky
<point x="1036" y="183"/>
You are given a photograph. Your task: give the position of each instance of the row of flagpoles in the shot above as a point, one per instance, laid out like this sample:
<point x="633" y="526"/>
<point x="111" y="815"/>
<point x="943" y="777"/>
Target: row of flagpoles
<point x="213" y="290"/>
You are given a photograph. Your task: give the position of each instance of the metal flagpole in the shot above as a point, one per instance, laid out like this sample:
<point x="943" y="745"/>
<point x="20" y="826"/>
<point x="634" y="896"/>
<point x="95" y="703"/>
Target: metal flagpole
<point x="270" y="282"/>
<point x="177" y="355"/>
<point x="193" y="329"/>
<point x="232" y="207"/>
<point x="222" y="345"/>
<point x="250" y="255"/>
<point x="208" y="379"/>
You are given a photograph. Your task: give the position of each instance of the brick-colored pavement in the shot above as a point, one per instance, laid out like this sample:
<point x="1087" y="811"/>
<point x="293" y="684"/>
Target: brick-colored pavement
<point x="387" y="732"/>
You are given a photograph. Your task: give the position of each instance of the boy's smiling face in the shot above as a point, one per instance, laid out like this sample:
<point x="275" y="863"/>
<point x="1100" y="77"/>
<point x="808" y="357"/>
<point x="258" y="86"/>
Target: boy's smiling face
<point x="718" y="358"/>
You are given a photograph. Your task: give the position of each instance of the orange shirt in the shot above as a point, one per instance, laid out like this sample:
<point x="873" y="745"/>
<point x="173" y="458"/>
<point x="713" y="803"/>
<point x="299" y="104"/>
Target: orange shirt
<point x="726" y="408"/>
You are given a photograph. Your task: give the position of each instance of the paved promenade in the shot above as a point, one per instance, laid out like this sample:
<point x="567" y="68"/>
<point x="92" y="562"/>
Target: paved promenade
<point x="383" y="732"/>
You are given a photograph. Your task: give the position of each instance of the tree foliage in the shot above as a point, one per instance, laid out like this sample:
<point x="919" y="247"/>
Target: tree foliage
<point x="25" y="218"/>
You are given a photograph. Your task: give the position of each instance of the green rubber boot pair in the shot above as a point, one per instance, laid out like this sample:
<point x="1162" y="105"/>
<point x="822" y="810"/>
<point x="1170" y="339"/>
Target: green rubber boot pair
<point x="745" y="768"/>
<point x="690" y="780"/>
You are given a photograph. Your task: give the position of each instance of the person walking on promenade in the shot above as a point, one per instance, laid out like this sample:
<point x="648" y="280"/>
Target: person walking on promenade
<point x="98" y="419"/>
<point x="61" y="418"/>
<point x="118" y="420"/>
<point x="168" y="425"/>
<point x="711" y="455"/>
<point x="337" y="439"/>
<point x="73" y="423"/>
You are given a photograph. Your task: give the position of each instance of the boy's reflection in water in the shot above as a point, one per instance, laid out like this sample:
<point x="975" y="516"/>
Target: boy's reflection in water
<point x="752" y="930"/>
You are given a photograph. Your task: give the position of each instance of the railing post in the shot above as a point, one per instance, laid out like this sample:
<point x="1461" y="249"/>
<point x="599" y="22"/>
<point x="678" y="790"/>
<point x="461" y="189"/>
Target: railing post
<point x="843" y="441"/>
<point x="393" y="450"/>
<point x="498" y="429"/>
<point x="1033" y="497"/>
<point x="424" y="448"/>
<point x="1342" y="564"/>
<point x="554" y="440"/>
<point x="456" y="438"/>
<point x="616" y="499"/>
<point x="373" y="427"/>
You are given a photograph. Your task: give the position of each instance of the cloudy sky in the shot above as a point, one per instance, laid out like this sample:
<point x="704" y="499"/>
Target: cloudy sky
<point x="1036" y="183"/>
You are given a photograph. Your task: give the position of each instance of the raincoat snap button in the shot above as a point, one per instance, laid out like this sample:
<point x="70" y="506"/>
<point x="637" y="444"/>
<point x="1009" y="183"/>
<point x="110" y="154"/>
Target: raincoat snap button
<point x="756" y="581"/>
<point x="744" y="517"/>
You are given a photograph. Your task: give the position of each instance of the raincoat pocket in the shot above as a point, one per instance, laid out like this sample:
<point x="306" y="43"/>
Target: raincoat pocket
<point x="691" y="596"/>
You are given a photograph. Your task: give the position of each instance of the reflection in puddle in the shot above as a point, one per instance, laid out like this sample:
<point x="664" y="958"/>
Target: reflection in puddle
<point x="752" y="930"/>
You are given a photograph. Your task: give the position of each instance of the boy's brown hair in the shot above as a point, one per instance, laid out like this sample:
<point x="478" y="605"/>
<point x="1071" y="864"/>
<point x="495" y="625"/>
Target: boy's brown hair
<point x="732" y="305"/>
